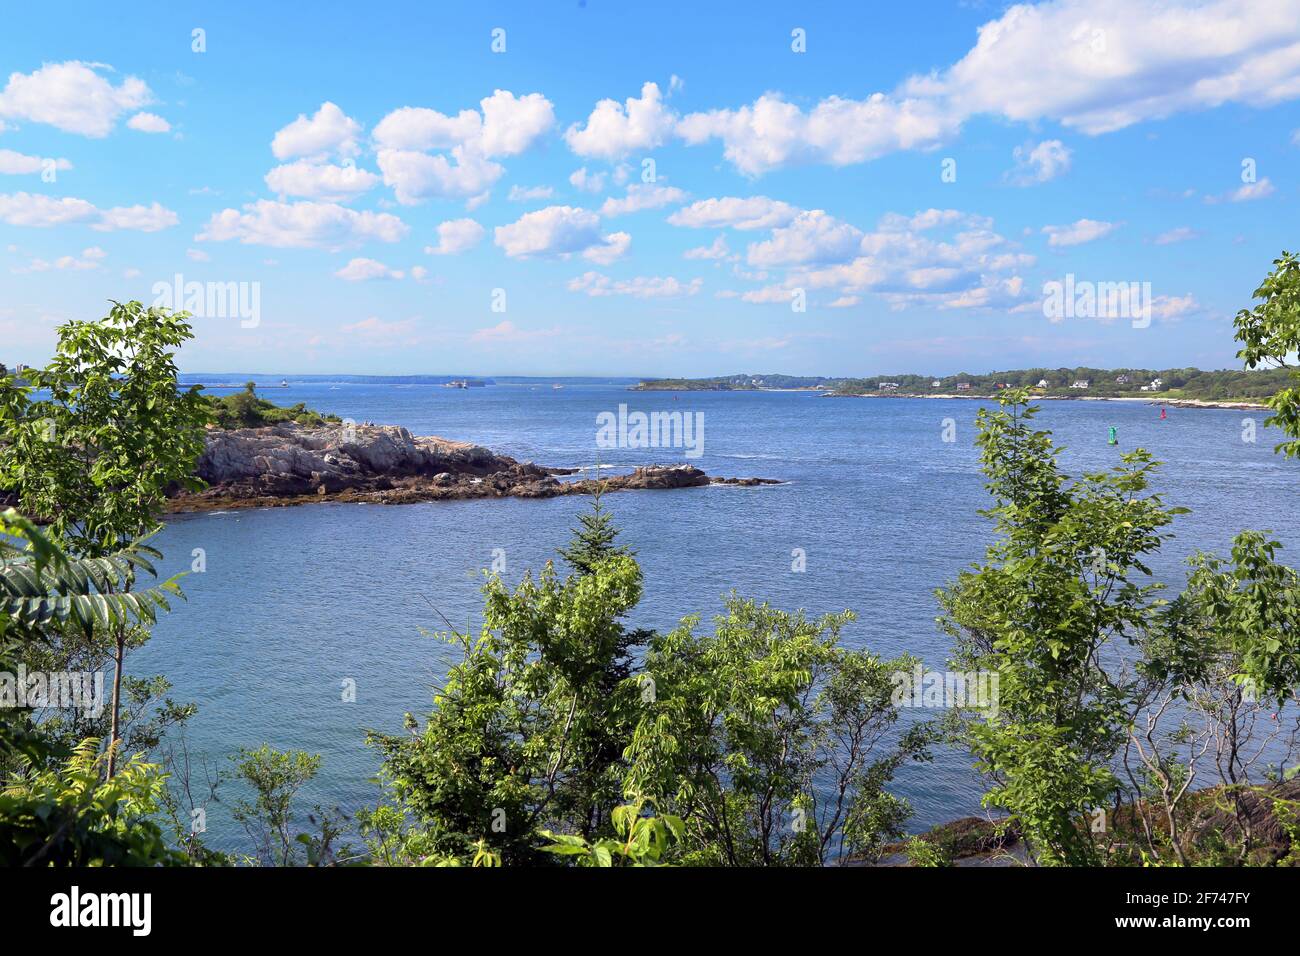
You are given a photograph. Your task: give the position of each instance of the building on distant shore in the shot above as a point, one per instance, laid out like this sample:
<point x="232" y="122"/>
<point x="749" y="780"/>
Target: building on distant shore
<point x="1042" y="383"/>
<point x="888" y="386"/>
<point x="936" y="384"/>
<point x="963" y="386"/>
<point x="1155" y="386"/>
<point x="1121" y="379"/>
<point x="1081" y="383"/>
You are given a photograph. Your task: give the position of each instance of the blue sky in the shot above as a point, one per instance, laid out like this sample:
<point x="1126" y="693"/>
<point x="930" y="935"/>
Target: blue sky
<point x="403" y="198"/>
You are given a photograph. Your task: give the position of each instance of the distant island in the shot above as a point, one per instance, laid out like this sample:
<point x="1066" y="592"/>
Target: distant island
<point x="1172" y="385"/>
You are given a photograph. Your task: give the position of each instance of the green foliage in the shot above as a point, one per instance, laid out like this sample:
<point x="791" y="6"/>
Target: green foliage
<point x="1269" y="334"/>
<point x="245" y="410"/>
<point x="96" y="458"/>
<point x="274" y="777"/>
<point x="927" y="853"/>
<point x="72" y="816"/>
<point x="42" y="585"/>
<point x="60" y="811"/>
<point x="728" y="383"/>
<point x="593" y="539"/>
<point x="638" y="840"/>
<point x="527" y="730"/>
<point x="1253" y="610"/>
<point x="763" y="738"/>
<point x="1064" y="580"/>
<point x="1176" y="383"/>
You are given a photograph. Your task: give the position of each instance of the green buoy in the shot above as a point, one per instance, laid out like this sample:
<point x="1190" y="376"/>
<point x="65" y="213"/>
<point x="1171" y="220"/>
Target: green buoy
<point x="1114" y="438"/>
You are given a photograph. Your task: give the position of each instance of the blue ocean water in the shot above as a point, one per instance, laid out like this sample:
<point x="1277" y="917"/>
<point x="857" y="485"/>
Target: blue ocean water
<point x="295" y="601"/>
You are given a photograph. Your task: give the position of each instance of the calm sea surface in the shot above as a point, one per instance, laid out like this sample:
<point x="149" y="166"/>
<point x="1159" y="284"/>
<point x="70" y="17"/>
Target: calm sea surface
<point x="296" y="600"/>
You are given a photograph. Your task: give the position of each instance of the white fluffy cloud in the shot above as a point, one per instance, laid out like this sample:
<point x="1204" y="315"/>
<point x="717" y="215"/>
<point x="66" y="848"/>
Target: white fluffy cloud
<point x="511" y="124"/>
<point x="365" y="270"/>
<point x="942" y="258"/>
<point x="407" y="138"/>
<point x="26" y="209"/>
<point x="418" y="128"/>
<point x="320" y="181"/>
<point x="302" y="225"/>
<point x="508" y="125"/>
<point x="88" y="260"/>
<point x="1171" y="308"/>
<point x="718" y="250"/>
<point x="416" y="177"/>
<point x="641" y="196"/>
<point x="614" y="129"/>
<point x="642" y="287"/>
<point x="456" y="236"/>
<point x="1250" y="191"/>
<point x="755" y="212"/>
<point x="813" y="237"/>
<point x="151" y="218"/>
<point x="329" y="132"/>
<point x="17" y="164"/>
<point x="772" y="132"/>
<point x="1040" y="163"/>
<point x="587" y="182"/>
<point x="149" y="123"/>
<point x="1091" y="65"/>
<point x="1077" y="233"/>
<point x="611" y="248"/>
<point x="73" y="97"/>
<point x="41" y="211"/>
<point x="1102" y="65"/>
<point x="560" y="232"/>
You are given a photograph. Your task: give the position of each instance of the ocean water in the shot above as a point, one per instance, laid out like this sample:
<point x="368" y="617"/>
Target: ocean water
<point x="295" y="601"/>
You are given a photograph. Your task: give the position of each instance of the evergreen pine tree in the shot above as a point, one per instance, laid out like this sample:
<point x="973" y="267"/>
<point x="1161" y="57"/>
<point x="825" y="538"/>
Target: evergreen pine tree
<point x="593" y="539"/>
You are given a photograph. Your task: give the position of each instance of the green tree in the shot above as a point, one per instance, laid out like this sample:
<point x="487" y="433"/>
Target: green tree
<point x="274" y="777"/>
<point x="1064" y="581"/>
<point x="244" y="407"/>
<point x="770" y="740"/>
<point x="96" y="458"/>
<point x="56" y="810"/>
<point x="594" y="538"/>
<point x="528" y="728"/>
<point x="1269" y="334"/>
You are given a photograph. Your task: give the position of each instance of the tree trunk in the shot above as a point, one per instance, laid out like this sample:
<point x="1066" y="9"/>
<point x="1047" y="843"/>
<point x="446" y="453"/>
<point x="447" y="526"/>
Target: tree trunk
<point x="120" y="639"/>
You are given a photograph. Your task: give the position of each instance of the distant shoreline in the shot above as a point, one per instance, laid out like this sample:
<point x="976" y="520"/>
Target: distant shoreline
<point x="1170" y="402"/>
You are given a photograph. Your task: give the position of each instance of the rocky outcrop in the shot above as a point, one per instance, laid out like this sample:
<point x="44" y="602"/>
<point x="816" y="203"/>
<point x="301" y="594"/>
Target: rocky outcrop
<point x="385" y="464"/>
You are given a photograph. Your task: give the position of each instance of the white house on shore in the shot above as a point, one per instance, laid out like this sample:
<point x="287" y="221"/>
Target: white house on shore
<point x="1155" y="386"/>
<point x="1042" y="383"/>
<point x="1081" y="383"/>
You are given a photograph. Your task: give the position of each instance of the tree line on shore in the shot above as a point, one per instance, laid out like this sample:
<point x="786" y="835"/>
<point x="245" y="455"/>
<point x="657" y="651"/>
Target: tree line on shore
<point x="1254" y="385"/>
<point x="1132" y="725"/>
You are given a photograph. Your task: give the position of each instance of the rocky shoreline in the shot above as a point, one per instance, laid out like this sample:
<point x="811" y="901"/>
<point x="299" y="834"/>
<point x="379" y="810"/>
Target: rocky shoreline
<point x="289" y="464"/>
